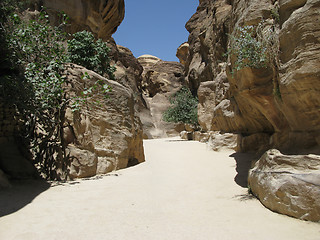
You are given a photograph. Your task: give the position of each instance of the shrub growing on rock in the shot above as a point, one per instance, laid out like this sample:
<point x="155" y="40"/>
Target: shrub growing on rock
<point x="85" y="51"/>
<point x="184" y="108"/>
<point x="253" y="46"/>
<point x="32" y="80"/>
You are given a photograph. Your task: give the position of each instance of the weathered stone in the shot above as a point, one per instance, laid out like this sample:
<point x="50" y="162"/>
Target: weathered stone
<point x="100" y="16"/>
<point x="160" y="76"/>
<point x="108" y="133"/>
<point x="279" y="103"/>
<point x="160" y="80"/>
<point x="288" y="184"/>
<point x="183" y="53"/>
<point x="219" y="141"/>
<point x="300" y="66"/>
<point x="201" y="136"/>
<point x="84" y="163"/>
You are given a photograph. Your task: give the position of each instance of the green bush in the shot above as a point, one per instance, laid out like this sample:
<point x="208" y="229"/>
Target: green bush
<point x="248" y="49"/>
<point x="85" y="51"/>
<point x="32" y="80"/>
<point x="184" y="108"/>
<point x="37" y="51"/>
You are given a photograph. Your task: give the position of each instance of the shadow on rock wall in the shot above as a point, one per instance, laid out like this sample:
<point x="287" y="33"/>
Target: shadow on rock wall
<point x="244" y="162"/>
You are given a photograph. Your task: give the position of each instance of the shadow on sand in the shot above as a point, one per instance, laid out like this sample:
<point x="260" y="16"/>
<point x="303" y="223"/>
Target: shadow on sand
<point x="244" y="162"/>
<point x="20" y="194"/>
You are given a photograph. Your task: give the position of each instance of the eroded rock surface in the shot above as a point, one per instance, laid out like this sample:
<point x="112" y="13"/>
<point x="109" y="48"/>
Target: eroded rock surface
<point x="276" y="106"/>
<point x="102" y="17"/>
<point x="160" y="80"/>
<point x="106" y="136"/>
<point x="281" y="106"/>
<point x="288" y="184"/>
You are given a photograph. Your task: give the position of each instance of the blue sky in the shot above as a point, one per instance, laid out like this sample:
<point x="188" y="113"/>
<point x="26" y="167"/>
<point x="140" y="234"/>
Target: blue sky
<point x="155" y="27"/>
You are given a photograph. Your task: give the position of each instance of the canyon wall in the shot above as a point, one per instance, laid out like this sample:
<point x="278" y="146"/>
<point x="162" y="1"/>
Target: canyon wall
<point x="275" y="105"/>
<point x="267" y="107"/>
<point x="108" y="150"/>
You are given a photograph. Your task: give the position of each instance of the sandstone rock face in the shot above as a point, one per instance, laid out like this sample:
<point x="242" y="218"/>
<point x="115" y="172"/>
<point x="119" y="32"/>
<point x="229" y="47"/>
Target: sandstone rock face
<point x="288" y="184"/>
<point x="160" y="76"/>
<point x="160" y="80"/>
<point x="106" y="136"/>
<point x="279" y="108"/>
<point x="273" y="107"/>
<point x="300" y="65"/>
<point x="183" y="53"/>
<point x="102" y="17"/>
<point x="218" y="141"/>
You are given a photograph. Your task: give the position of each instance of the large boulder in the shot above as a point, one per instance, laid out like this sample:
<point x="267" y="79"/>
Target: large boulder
<point x="106" y="135"/>
<point x="288" y="184"/>
<point x="101" y="17"/>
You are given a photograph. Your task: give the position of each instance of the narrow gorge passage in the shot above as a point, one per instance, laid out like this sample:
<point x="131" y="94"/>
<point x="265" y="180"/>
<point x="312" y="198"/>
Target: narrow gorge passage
<point x="183" y="191"/>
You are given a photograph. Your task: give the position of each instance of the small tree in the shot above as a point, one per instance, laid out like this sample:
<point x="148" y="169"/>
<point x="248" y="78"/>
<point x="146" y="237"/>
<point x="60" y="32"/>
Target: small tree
<point x="36" y="51"/>
<point x="184" y="108"/>
<point x="85" y="51"/>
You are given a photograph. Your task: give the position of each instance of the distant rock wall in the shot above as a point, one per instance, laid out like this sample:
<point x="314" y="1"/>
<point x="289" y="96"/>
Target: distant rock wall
<point x="280" y="111"/>
<point x="159" y="81"/>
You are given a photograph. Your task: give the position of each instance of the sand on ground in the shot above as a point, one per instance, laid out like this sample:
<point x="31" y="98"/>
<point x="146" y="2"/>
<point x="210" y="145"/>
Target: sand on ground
<point x="183" y="191"/>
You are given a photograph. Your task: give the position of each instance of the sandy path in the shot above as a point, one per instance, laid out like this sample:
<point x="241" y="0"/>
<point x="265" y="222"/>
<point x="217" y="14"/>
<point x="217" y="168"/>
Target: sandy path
<point x="182" y="191"/>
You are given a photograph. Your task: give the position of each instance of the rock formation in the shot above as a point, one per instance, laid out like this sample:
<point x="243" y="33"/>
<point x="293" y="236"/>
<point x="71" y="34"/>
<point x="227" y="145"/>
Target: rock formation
<point x="101" y="17"/>
<point x="279" y="110"/>
<point x="288" y="184"/>
<point x="275" y="106"/>
<point x="160" y="80"/>
<point x="183" y="52"/>
<point x="108" y="135"/>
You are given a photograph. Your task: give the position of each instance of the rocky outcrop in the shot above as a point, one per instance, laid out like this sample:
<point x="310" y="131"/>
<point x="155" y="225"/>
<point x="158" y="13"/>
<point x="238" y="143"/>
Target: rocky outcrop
<point x="101" y="17"/>
<point x="183" y="53"/>
<point x="277" y="106"/>
<point x="160" y="80"/>
<point x="107" y="135"/>
<point x="288" y="184"/>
